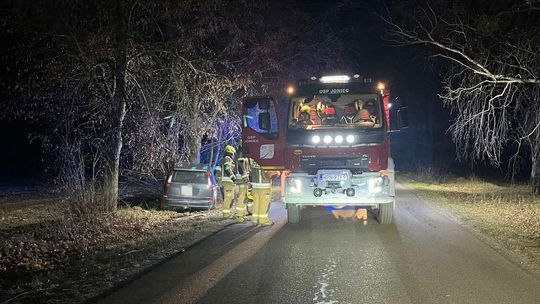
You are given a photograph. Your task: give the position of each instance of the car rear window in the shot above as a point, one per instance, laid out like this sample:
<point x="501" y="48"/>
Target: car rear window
<point x="189" y="176"/>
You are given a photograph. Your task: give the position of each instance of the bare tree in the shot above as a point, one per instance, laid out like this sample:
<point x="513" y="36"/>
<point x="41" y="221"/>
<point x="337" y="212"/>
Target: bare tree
<point x="135" y="86"/>
<point x="492" y="75"/>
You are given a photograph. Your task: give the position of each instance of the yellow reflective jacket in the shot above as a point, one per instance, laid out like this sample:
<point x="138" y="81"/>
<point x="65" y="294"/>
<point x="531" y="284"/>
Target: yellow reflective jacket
<point x="228" y="167"/>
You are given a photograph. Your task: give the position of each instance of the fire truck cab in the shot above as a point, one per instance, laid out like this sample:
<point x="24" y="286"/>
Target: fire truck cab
<point x="330" y="141"/>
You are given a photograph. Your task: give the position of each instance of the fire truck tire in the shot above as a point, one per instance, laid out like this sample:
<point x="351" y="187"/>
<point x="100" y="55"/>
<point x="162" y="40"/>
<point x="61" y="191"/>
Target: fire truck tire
<point x="386" y="212"/>
<point x="293" y="213"/>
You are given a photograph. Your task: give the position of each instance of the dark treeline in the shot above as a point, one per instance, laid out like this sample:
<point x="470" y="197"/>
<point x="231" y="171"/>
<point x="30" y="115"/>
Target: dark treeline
<point x="135" y="86"/>
<point x="488" y="55"/>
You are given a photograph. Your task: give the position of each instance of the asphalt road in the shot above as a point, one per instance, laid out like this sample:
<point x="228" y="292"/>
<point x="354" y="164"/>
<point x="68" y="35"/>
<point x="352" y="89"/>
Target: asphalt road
<point x="424" y="257"/>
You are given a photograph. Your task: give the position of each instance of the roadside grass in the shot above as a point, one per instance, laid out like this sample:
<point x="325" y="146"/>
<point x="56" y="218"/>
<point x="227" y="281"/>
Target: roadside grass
<point x="45" y="258"/>
<point x="15" y="212"/>
<point x="504" y="212"/>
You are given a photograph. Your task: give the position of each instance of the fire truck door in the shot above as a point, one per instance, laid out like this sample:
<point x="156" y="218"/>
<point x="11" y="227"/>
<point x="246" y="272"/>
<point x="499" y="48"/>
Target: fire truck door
<point x="262" y="137"/>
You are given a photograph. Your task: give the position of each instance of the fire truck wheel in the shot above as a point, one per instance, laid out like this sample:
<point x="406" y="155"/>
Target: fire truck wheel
<point x="293" y="213"/>
<point x="385" y="213"/>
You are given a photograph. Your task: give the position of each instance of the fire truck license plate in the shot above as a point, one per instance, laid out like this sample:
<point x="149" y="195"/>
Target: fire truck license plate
<point x="334" y="177"/>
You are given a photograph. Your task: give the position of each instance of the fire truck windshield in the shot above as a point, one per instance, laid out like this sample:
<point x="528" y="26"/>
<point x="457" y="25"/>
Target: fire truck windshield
<point x="357" y="111"/>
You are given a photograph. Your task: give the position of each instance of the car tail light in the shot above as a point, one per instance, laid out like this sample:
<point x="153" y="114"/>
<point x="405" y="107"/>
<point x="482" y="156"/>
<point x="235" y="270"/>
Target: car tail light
<point x="209" y="180"/>
<point x="167" y="184"/>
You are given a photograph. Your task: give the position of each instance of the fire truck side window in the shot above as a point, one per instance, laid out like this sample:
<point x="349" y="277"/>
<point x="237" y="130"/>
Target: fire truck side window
<point x="253" y="119"/>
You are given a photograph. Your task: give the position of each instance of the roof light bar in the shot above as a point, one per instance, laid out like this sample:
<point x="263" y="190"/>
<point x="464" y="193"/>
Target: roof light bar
<point x="335" y="79"/>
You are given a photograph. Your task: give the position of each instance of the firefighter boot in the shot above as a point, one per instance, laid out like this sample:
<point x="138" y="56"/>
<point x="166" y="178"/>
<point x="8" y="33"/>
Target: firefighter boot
<point x="240" y="203"/>
<point x="228" y="189"/>
<point x="262" y="194"/>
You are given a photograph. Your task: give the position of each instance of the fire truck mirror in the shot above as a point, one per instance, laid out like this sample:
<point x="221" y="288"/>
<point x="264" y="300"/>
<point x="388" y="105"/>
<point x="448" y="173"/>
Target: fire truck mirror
<point x="403" y="118"/>
<point x="264" y="121"/>
<point x="264" y="104"/>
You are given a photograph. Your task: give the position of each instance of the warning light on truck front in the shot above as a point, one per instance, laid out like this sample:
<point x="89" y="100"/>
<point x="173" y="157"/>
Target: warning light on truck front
<point x="290" y="90"/>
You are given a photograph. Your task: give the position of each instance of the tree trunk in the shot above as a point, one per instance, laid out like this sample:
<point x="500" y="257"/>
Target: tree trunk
<point x="194" y="144"/>
<point x="535" y="171"/>
<point x="194" y="136"/>
<point x="211" y="158"/>
<point x="119" y="109"/>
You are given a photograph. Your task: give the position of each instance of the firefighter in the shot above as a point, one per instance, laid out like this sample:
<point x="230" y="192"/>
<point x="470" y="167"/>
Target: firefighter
<point x="304" y="117"/>
<point x="254" y="175"/>
<point x="242" y="180"/>
<point x="262" y="196"/>
<point x="363" y="117"/>
<point x="217" y="177"/>
<point x="228" y="179"/>
<point x="349" y="112"/>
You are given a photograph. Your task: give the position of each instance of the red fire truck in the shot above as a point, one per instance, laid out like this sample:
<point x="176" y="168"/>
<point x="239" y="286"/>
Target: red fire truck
<point x="330" y="142"/>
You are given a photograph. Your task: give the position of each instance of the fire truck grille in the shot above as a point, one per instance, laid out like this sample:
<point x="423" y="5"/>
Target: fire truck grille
<point x="336" y="162"/>
<point x="312" y="164"/>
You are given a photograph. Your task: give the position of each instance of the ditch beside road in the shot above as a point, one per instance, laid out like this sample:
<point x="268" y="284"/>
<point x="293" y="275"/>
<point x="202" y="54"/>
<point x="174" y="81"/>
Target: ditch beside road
<point x="46" y="256"/>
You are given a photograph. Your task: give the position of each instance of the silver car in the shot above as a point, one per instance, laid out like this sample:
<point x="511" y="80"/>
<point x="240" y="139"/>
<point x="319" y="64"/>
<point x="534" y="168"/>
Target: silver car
<point x="189" y="187"/>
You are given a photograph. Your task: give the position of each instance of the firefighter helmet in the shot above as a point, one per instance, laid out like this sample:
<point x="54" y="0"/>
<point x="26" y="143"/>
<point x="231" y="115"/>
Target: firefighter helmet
<point x="305" y="109"/>
<point x="358" y="104"/>
<point x="230" y="149"/>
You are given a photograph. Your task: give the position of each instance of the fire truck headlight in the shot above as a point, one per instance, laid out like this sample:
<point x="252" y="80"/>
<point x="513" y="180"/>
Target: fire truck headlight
<point x="375" y="185"/>
<point x="327" y="139"/>
<point x="339" y="139"/>
<point x="316" y="139"/>
<point x="295" y="185"/>
<point x="350" y="138"/>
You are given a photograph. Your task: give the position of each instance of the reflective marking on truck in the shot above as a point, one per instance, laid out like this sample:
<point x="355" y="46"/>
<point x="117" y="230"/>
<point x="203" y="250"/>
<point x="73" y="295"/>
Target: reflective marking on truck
<point x="333" y="91"/>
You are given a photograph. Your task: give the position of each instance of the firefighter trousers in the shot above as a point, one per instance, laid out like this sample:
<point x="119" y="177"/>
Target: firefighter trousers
<point x="240" y="203"/>
<point x="228" y="196"/>
<point x="249" y="200"/>
<point x="262" y="195"/>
